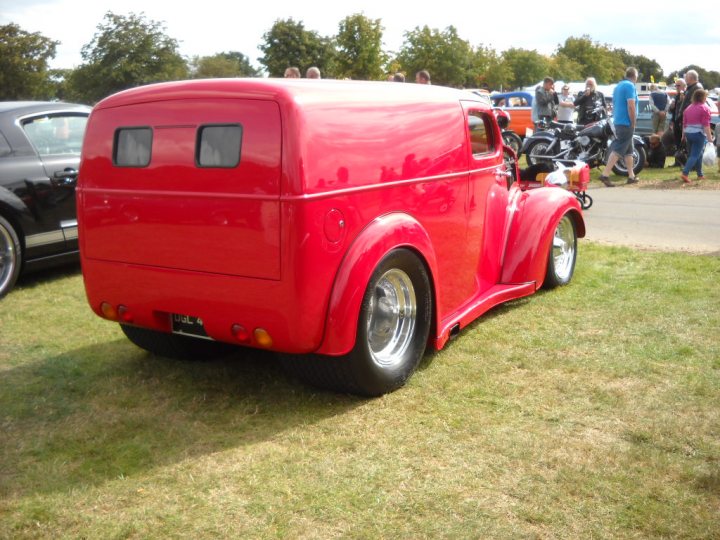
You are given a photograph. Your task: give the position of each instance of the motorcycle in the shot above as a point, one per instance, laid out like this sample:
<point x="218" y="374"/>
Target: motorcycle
<point x="571" y="142"/>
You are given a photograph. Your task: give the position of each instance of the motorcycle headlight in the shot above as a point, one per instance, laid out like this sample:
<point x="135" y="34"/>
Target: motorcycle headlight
<point x="584" y="140"/>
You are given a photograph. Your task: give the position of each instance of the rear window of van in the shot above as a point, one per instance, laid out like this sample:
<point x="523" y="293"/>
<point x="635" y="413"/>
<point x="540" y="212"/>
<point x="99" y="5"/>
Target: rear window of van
<point x="216" y="146"/>
<point x="219" y="146"/>
<point x="132" y="147"/>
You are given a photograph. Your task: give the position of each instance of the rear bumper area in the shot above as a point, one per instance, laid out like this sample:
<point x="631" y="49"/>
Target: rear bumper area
<point x="221" y="301"/>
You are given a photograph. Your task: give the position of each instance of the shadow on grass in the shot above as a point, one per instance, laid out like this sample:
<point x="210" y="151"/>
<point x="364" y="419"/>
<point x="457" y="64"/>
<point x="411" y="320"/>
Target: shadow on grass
<point x="28" y="280"/>
<point x="111" y="410"/>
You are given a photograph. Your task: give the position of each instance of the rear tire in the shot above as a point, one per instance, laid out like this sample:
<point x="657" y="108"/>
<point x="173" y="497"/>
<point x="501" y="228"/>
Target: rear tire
<point x="563" y="254"/>
<point x="176" y="346"/>
<point x="639" y="157"/>
<point x="10" y="256"/>
<point x="393" y="327"/>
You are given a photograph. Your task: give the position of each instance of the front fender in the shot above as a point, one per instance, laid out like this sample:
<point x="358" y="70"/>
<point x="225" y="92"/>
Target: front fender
<point x="381" y="236"/>
<point x="536" y="215"/>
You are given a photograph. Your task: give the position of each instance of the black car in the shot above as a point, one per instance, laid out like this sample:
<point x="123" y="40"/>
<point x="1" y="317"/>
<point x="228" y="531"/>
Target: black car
<point x="40" y="145"/>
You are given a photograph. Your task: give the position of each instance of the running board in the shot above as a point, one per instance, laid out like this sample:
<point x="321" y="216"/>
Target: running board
<point x="494" y="296"/>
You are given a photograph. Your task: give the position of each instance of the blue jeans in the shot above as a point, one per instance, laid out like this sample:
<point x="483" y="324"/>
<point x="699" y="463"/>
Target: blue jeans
<point x="696" y="145"/>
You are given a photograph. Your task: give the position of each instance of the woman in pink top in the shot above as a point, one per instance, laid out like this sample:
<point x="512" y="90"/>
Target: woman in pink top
<point x="696" y="132"/>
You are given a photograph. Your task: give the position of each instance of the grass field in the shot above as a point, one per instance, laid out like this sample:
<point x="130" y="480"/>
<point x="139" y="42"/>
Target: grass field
<point x="592" y="411"/>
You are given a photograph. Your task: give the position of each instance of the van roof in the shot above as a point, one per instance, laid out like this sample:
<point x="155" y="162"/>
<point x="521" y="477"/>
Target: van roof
<point x="297" y="90"/>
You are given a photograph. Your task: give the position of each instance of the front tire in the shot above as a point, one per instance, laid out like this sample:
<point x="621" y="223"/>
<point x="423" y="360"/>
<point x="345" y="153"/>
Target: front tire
<point x="174" y="345"/>
<point x="10" y="256"/>
<point x="563" y="254"/>
<point x="393" y="327"/>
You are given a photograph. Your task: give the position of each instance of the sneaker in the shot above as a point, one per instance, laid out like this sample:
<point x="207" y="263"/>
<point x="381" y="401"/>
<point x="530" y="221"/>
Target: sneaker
<point x="684" y="178"/>
<point x="633" y="180"/>
<point x="606" y="180"/>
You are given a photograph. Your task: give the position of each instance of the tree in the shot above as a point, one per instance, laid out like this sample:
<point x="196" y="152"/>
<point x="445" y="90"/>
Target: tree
<point x="24" y="64"/>
<point x="289" y="44"/>
<point x="563" y="68"/>
<point x="527" y="67"/>
<point x="648" y="70"/>
<point x="225" y="64"/>
<point x="488" y="69"/>
<point x="359" y="48"/>
<point x="126" y="52"/>
<point x="448" y="58"/>
<point x="596" y="60"/>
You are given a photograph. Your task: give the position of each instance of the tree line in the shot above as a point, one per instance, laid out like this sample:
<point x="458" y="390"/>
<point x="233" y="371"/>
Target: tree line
<point x="131" y="50"/>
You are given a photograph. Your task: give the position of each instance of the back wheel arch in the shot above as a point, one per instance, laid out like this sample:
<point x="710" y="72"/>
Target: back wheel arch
<point x="377" y="240"/>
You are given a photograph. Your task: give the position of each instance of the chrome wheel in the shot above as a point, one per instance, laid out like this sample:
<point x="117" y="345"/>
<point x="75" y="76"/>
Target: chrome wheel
<point x="563" y="250"/>
<point x="9" y="257"/>
<point x="391" y="318"/>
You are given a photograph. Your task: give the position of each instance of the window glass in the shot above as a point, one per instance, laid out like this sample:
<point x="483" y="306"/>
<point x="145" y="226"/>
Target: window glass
<point x="56" y="133"/>
<point x="480" y="133"/>
<point x="132" y="147"/>
<point x="219" y="146"/>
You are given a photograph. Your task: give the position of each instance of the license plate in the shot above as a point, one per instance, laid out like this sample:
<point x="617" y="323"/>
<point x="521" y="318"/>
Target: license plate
<point x="188" y="326"/>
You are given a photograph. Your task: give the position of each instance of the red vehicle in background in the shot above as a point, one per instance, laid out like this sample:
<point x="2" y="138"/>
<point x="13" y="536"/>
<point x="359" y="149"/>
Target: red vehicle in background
<point x="349" y="224"/>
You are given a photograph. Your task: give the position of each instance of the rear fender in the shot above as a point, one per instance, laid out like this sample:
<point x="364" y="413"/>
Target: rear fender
<point x="537" y="213"/>
<point x="380" y="237"/>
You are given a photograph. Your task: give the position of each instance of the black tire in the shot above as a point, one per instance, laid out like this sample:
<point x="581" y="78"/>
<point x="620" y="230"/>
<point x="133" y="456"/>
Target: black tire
<point x="586" y="201"/>
<point x="563" y="253"/>
<point x="176" y="346"/>
<point x="639" y="157"/>
<point x="513" y="140"/>
<point x="536" y="150"/>
<point x="372" y="370"/>
<point x="10" y="256"/>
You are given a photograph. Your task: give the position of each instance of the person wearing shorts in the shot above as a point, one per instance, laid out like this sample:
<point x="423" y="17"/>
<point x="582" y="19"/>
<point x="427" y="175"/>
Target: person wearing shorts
<point x="625" y="110"/>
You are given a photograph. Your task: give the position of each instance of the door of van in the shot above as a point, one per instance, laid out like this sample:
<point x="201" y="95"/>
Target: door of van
<point x="488" y="193"/>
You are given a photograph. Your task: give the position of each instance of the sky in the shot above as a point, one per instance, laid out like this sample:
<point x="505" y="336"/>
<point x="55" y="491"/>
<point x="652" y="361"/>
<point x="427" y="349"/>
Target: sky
<point x="673" y="38"/>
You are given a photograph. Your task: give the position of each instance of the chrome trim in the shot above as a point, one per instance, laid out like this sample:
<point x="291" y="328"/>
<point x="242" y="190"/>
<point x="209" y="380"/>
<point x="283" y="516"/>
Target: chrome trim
<point x="43" y="239"/>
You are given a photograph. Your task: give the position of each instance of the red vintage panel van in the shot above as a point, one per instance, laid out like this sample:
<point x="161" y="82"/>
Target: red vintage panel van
<point x="349" y="224"/>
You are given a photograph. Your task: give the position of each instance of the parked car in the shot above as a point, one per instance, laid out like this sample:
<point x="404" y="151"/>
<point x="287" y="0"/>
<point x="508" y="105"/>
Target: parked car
<point x="40" y="145"/>
<point x="519" y="105"/>
<point x="346" y="224"/>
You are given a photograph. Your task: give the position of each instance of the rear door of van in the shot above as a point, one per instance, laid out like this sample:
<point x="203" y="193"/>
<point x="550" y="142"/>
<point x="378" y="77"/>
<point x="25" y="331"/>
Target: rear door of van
<point x="186" y="184"/>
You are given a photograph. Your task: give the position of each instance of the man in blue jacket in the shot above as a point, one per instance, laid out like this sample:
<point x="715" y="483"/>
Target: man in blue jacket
<point x="625" y="111"/>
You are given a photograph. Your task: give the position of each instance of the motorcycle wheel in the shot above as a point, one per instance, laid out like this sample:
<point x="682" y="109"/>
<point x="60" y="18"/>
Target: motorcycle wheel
<point x="513" y="140"/>
<point x="639" y="157"/>
<point x="537" y="152"/>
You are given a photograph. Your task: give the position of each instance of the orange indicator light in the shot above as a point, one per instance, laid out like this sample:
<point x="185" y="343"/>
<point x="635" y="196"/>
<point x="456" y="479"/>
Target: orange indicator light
<point x="262" y="338"/>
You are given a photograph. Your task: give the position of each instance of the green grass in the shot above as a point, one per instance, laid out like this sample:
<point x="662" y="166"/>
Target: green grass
<point x="592" y="411"/>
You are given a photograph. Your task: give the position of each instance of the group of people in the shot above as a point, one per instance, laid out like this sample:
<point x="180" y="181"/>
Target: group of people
<point x="421" y="77"/>
<point x="548" y="105"/>
<point x="688" y="116"/>
<point x="294" y="73"/>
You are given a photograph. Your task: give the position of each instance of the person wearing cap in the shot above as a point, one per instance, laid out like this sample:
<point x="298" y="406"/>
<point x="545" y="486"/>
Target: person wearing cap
<point x="546" y="100"/>
<point x="566" y="105"/>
